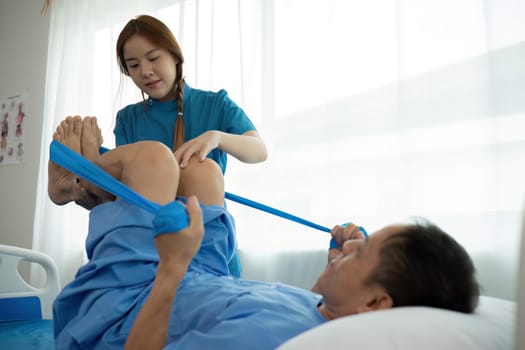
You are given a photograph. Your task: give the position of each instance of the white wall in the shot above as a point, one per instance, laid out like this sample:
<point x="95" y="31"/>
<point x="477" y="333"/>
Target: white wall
<point x="23" y="52"/>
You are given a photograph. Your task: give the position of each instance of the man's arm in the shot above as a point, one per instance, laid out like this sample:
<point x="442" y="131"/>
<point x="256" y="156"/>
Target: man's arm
<point x="176" y="250"/>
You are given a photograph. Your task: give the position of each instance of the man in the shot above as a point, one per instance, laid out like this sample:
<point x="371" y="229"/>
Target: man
<point x="151" y="284"/>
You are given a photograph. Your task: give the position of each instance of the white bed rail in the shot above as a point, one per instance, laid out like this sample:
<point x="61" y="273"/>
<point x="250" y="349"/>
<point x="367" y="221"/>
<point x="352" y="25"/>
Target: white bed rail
<point x="12" y="284"/>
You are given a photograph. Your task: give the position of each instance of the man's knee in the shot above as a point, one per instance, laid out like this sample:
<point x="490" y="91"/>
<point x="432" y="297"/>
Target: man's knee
<point x="146" y="158"/>
<point x="203" y="179"/>
<point x="207" y="168"/>
<point x="150" y="168"/>
<point x="153" y="152"/>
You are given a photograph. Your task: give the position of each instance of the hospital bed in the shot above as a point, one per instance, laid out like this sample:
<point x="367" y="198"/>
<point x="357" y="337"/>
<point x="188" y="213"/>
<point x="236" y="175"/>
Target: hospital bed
<point x="26" y="313"/>
<point x="25" y="310"/>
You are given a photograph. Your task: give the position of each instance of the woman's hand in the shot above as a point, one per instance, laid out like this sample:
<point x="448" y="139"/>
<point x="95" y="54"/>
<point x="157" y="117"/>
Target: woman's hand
<point x="248" y="147"/>
<point x="198" y="147"/>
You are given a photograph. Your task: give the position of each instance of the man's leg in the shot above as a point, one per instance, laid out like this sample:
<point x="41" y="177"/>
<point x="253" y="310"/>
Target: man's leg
<point x="204" y="180"/>
<point x="61" y="181"/>
<point x="147" y="167"/>
<point x="152" y="171"/>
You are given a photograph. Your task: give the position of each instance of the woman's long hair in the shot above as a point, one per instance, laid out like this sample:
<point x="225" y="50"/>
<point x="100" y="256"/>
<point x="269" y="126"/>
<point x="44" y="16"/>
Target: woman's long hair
<point x="159" y="35"/>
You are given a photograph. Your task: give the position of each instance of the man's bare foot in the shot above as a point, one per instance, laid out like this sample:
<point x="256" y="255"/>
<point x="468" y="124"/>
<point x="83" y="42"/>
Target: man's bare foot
<point x="91" y="138"/>
<point x="61" y="181"/>
<point x="90" y="144"/>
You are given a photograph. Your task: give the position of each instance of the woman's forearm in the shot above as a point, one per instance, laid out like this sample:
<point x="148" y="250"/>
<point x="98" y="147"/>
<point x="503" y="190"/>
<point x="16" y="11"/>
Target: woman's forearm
<point x="248" y="147"/>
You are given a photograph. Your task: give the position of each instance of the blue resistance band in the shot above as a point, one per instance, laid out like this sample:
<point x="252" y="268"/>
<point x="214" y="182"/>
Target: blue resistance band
<point x="168" y="218"/>
<point x="274" y="211"/>
<point x="74" y="162"/>
<point x="285" y="215"/>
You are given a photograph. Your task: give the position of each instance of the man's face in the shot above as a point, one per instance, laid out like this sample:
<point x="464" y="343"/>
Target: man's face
<point x="342" y="283"/>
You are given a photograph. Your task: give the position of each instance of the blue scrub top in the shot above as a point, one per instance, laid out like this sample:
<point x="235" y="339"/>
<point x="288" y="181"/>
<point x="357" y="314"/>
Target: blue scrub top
<point x="203" y="111"/>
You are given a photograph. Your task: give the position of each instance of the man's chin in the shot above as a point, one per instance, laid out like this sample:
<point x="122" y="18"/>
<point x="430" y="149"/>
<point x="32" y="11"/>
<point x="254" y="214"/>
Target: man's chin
<point x="318" y="283"/>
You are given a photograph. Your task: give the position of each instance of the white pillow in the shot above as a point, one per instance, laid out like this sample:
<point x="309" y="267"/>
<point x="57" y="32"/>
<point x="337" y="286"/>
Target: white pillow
<point x="490" y="327"/>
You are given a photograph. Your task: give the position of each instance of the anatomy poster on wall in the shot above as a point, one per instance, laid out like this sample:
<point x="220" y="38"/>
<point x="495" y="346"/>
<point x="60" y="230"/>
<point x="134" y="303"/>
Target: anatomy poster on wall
<point x="12" y="121"/>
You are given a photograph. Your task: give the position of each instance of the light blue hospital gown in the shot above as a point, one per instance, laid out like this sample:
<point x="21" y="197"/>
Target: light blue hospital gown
<point x="212" y="310"/>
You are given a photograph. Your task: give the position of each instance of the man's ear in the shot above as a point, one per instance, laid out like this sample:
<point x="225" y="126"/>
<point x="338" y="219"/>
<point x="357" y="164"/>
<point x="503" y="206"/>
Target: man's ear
<point x="377" y="301"/>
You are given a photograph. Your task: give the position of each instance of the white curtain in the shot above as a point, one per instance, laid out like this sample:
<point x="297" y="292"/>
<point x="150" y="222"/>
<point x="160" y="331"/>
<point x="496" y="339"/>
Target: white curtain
<point x="373" y="112"/>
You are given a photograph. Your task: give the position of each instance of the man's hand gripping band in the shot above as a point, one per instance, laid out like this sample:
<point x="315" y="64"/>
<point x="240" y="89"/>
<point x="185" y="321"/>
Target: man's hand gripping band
<point x="170" y="218"/>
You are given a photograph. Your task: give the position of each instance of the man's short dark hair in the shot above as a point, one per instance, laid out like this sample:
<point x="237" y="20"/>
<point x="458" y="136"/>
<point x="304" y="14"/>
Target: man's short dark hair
<point x="421" y="265"/>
